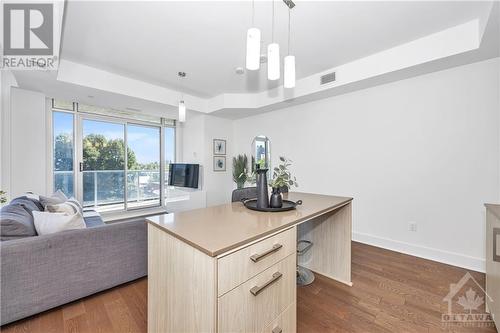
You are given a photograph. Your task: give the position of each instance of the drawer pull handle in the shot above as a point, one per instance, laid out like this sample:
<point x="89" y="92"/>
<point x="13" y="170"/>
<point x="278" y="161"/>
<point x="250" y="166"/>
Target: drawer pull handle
<point x="257" y="290"/>
<point x="277" y="329"/>
<point x="257" y="257"/>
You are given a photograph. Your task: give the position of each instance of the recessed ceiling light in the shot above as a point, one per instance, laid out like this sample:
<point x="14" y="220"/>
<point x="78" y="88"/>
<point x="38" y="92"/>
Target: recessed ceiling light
<point x="239" y="70"/>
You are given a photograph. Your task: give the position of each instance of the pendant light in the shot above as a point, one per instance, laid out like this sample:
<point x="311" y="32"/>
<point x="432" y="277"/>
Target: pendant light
<point x="253" y="45"/>
<point x="182" y="111"/>
<point x="289" y="71"/>
<point x="182" y="105"/>
<point x="273" y="56"/>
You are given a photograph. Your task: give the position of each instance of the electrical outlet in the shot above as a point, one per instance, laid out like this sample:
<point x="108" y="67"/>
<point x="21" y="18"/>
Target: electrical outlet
<point x="412" y="226"/>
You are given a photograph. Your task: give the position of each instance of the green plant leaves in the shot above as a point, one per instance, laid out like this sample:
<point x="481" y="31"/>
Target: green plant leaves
<point x="240" y="167"/>
<point x="282" y="177"/>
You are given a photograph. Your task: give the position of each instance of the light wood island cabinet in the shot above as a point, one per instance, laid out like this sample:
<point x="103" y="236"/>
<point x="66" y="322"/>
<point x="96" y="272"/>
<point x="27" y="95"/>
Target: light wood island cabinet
<point x="229" y="269"/>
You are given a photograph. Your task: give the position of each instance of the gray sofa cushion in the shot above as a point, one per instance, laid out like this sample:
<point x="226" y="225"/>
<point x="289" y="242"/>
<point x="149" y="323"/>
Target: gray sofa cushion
<point x="16" y="221"/>
<point x="7" y="238"/>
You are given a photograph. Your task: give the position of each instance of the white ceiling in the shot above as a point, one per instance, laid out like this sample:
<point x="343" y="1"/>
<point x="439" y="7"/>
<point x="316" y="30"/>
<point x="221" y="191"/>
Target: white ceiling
<point x="152" y="41"/>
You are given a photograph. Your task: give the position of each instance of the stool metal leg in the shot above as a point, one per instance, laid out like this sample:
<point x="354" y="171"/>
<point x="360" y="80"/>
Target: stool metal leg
<point x="304" y="276"/>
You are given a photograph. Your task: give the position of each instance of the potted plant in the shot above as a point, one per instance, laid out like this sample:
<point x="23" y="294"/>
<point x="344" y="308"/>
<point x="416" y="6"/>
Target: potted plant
<point x="282" y="178"/>
<point x="240" y="165"/>
<point x="3" y="197"/>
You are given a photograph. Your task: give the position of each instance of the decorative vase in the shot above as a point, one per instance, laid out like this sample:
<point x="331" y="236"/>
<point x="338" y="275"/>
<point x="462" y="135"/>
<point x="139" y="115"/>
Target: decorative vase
<point x="276" y="199"/>
<point x="262" y="195"/>
<point x="240" y="185"/>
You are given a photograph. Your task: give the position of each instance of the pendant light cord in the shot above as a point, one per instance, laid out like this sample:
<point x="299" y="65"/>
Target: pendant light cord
<point x="253" y="13"/>
<point x="289" y="31"/>
<point x="272" y="25"/>
<point x="182" y="90"/>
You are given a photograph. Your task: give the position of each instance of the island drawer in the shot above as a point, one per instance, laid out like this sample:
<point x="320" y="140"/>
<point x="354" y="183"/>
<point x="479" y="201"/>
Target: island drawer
<point x="239" y="266"/>
<point x="258" y="302"/>
<point x="285" y="323"/>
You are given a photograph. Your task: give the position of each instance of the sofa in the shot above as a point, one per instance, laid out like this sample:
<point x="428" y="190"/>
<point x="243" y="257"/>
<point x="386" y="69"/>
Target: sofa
<point x="38" y="273"/>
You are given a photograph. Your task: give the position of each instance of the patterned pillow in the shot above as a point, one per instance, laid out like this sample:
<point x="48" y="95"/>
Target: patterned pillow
<point x="75" y="203"/>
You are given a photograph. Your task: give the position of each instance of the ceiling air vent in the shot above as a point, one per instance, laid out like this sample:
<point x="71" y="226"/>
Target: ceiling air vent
<point x="327" y="78"/>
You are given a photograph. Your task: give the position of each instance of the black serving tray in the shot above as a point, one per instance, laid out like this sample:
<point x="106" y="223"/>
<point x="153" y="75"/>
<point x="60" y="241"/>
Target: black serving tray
<point x="287" y="205"/>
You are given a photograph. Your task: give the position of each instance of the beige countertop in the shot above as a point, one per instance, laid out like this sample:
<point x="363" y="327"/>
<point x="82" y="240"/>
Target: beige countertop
<point x="218" y="229"/>
<point x="495" y="209"/>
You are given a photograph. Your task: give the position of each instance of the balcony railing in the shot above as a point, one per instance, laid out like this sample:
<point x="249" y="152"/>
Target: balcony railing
<point x="106" y="188"/>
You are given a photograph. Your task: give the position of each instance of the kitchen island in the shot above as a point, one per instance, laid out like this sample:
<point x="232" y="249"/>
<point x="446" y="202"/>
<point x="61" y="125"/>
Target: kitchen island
<point x="226" y="268"/>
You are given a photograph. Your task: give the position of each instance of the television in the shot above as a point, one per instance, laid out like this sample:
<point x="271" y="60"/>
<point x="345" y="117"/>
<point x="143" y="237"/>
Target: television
<point x="184" y="175"/>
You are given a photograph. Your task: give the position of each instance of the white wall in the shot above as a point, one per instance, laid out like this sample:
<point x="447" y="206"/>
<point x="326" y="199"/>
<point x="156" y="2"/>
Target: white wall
<point x="219" y="184"/>
<point x="422" y="150"/>
<point x="196" y="146"/>
<point x="7" y="81"/>
<point x="27" y="141"/>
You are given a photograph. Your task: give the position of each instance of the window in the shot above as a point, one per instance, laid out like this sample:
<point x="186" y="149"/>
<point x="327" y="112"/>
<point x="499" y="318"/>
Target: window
<point x="63" y="146"/>
<point x="103" y="164"/>
<point x="119" y="159"/>
<point x="143" y="175"/>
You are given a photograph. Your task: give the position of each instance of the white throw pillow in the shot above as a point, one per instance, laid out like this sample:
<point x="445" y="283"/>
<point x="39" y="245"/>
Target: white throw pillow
<point x="49" y="223"/>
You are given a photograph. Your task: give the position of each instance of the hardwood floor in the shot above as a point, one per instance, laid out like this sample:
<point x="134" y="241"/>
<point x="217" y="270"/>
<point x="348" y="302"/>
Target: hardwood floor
<point x="392" y="292"/>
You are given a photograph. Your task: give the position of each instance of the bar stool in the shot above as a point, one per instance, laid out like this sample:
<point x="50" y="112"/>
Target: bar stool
<point x="304" y="275"/>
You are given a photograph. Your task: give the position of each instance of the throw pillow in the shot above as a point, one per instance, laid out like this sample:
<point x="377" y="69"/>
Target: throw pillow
<point x="28" y="203"/>
<point x="57" y="198"/>
<point x="48" y="223"/>
<point x="16" y="221"/>
<point x="65" y="207"/>
<point x="75" y="203"/>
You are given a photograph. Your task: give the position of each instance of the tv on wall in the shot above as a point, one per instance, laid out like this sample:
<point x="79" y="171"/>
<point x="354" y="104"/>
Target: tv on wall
<point x="184" y="175"/>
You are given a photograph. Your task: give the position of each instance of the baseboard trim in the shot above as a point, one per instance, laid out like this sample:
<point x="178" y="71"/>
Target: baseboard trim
<point x="445" y="257"/>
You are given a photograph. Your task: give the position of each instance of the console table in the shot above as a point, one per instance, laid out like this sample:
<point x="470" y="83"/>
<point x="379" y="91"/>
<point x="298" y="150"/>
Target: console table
<point x="226" y="268"/>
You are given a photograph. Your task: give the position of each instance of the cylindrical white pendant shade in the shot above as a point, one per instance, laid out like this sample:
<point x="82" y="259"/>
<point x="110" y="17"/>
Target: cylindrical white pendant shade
<point x="273" y="61"/>
<point x="182" y="111"/>
<point x="289" y="72"/>
<point x="253" y="49"/>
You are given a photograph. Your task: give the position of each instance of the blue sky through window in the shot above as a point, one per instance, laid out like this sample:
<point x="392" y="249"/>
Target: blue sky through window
<point x="145" y="142"/>
<point x="63" y="123"/>
<point x="169" y="144"/>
